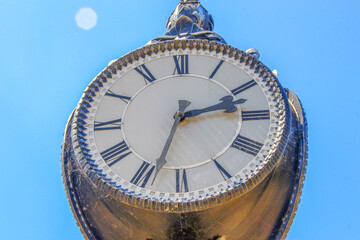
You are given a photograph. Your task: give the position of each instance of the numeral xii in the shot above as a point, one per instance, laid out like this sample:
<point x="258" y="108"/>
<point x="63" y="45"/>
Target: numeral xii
<point x="181" y="64"/>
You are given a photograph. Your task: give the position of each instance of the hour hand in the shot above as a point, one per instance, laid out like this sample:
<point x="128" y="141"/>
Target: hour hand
<point x="227" y="103"/>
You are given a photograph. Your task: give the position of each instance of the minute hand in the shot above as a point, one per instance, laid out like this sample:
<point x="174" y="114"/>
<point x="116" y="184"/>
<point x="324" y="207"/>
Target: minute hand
<point x="226" y="104"/>
<point x="160" y="162"/>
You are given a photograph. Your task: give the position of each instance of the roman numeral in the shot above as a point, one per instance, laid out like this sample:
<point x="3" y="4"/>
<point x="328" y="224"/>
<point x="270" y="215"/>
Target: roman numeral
<point x="255" y="115"/>
<point x="144" y="71"/>
<point x="143" y="174"/>
<point x="181" y="64"/>
<point x="243" y="87"/>
<point x="100" y="126"/>
<point x="115" y="153"/>
<point x="123" y="98"/>
<point x="216" y="69"/>
<point x="181" y="186"/>
<point x="247" y="145"/>
<point x="222" y="171"/>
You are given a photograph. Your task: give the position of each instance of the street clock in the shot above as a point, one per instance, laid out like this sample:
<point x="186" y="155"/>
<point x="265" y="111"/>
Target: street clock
<point x="185" y="138"/>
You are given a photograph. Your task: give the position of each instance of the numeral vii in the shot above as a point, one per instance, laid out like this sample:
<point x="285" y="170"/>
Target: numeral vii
<point x="243" y="87"/>
<point x="115" y="153"/>
<point x="181" y="186"/>
<point x="142" y="175"/>
<point x="144" y="71"/>
<point x="255" y="115"/>
<point x="100" y="126"/>
<point x="181" y="64"/>
<point x="247" y="145"/>
<point x="225" y="174"/>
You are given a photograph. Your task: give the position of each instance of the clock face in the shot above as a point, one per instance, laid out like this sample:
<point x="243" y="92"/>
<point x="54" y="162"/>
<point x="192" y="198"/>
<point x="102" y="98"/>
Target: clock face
<point x="225" y="136"/>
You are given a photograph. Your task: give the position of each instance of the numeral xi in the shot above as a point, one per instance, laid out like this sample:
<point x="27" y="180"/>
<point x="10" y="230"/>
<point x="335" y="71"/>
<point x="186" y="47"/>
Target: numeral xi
<point x="144" y="71"/>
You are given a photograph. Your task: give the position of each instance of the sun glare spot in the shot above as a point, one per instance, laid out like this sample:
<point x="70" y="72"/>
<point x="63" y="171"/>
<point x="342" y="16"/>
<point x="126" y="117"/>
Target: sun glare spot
<point x="86" y="18"/>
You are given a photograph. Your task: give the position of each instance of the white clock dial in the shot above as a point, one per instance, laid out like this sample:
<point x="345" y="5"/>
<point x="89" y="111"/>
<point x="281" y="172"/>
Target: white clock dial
<point x="225" y="136"/>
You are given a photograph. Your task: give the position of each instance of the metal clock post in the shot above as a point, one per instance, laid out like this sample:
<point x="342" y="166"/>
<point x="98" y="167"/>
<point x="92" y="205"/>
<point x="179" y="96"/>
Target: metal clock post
<point x="186" y="137"/>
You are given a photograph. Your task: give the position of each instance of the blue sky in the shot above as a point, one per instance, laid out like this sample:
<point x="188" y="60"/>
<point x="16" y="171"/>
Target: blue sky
<point x="46" y="61"/>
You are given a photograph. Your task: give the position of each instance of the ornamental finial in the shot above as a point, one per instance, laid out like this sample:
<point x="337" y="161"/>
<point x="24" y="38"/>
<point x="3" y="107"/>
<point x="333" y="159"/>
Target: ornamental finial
<point x="190" y="20"/>
<point x="189" y="1"/>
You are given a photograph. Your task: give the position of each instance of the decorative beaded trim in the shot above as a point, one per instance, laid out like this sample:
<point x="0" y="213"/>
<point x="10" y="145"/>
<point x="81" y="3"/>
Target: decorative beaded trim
<point x="86" y="162"/>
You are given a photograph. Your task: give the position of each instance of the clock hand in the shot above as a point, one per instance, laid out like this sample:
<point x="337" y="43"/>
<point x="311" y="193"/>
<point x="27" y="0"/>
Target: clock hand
<point x="183" y="104"/>
<point x="226" y="103"/>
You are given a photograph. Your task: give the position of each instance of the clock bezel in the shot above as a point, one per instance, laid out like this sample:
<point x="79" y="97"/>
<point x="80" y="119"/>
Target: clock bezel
<point x="255" y="67"/>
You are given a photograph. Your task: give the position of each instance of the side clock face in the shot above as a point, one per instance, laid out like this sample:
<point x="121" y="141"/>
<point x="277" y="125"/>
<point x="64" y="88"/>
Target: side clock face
<point x="181" y="125"/>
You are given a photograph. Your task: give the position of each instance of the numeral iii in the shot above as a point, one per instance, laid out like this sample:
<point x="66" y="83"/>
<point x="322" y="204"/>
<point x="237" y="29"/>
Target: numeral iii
<point x="255" y="115"/>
